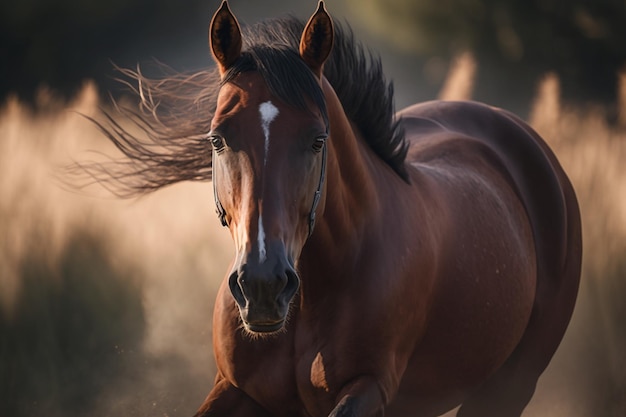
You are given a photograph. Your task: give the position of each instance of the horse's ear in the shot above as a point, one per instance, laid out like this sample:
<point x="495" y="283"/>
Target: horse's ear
<point x="225" y="38"/>
<point x="317" y="40"/>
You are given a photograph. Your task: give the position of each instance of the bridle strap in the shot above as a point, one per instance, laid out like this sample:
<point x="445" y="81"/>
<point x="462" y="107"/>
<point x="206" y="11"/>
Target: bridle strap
<point x="219" y="209"/>
<point x="318" y="192"/>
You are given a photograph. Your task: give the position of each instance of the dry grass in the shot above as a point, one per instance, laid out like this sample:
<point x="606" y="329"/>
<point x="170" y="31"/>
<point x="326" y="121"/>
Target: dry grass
<point x="165" y="252"/>
<point x="156" y="264"/>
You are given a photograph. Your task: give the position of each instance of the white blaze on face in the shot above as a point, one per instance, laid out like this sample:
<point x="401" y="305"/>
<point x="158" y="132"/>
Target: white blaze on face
<point x="268" y="113"/>
<point x="261" y="239"/>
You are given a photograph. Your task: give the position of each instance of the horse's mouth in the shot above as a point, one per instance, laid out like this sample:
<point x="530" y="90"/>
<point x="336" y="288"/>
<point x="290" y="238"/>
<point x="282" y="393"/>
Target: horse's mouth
<point x="264" y="327"/>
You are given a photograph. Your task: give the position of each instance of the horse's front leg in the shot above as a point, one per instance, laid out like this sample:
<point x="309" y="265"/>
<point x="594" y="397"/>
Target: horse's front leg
<point x="361" y="398"/>
<point x="226" y="400"/>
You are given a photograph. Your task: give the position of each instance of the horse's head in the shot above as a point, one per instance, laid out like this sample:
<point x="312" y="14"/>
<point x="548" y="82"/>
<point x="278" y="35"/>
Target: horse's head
<point x="269" y="149"/>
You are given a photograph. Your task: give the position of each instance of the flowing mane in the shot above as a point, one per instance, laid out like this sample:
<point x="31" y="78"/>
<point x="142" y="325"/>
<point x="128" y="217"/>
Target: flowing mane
<point x="367" y="97"/>
<point x="175" y="111"/>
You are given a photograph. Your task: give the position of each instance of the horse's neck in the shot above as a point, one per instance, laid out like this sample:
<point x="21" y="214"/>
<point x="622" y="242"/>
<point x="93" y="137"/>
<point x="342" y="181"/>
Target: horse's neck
<point x="350" y="187"/>
<point x="351" y="194"/>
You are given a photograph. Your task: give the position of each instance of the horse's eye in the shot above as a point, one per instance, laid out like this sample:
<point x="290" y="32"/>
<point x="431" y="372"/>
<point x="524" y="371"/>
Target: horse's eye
<point x="319" y="143"/>
<point x="217" y="142"/>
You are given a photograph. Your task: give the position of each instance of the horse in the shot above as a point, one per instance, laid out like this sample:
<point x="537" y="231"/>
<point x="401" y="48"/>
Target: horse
<point x="386" y="264"/>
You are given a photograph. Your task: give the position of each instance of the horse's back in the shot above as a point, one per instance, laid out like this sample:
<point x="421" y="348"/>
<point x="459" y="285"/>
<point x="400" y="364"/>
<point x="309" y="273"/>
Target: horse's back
<point x="544" y="188"/>
<point x="435" y="129"/>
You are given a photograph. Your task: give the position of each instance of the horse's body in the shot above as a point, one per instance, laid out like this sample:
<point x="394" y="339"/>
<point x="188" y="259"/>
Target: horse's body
<point x="400" y="268"/>
<point x="448" y="280"/>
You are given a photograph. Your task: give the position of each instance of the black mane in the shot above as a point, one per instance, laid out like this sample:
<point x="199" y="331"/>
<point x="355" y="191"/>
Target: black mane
<point x="271" y="47"/>
<point x="168" y="142"/>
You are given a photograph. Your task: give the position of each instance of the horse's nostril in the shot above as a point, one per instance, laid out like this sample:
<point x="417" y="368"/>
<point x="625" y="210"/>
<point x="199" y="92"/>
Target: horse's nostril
<point x="236" y="290"/>
<point x="263" y="290"/>
<point x="291" y="286"/>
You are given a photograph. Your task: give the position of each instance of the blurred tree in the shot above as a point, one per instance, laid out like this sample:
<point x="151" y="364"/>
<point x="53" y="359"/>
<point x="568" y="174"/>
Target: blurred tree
<point x="514" y="41"/>
<point x="60" y="43"/>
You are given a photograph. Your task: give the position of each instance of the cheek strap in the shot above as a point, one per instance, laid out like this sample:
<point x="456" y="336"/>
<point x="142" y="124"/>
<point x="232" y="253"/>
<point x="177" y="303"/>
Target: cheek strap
<point x="318" y="192"/>
<point x="219" y="209"/>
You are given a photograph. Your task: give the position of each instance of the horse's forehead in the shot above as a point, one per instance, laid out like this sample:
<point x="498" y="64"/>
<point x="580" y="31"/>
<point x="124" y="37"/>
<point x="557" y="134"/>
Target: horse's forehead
<point x="248" y="98"/>
<point x="247" y="88"/>
<point x="240" y="94"/>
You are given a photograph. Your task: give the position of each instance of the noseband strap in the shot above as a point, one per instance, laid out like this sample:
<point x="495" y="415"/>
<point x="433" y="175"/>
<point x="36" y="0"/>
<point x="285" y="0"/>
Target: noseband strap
<point x="221" y="213"/>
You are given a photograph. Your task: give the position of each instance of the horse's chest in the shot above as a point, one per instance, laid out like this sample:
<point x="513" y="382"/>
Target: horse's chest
<point x="286" y="386"/>
<point x="317" y="382"/>
<point x="324" y="364"/>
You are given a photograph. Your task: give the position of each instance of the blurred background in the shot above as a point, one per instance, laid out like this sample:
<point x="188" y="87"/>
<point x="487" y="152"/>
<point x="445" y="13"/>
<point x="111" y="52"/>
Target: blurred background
<point x="105" y="304"/>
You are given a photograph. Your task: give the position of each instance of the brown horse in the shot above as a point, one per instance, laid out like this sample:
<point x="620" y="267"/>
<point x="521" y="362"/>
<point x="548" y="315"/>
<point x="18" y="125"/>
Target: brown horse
<point x="400" y="265"/>
<point x="444" y="263"/>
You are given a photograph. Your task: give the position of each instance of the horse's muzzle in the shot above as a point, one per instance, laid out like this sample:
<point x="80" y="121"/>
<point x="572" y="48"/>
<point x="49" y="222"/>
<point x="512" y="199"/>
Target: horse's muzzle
<point x="263" y="294"/>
